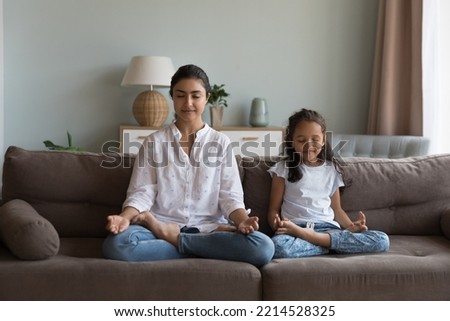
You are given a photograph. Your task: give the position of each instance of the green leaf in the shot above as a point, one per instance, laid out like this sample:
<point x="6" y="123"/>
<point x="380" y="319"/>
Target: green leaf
<point x="217" y="95"/>
<point x="51" y="146"/>
<point x="69" y="139"/>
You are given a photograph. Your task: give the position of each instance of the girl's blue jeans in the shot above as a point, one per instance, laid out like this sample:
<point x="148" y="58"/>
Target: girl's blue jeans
<point x="342" y="242"/>
<point x="139" y="244"/>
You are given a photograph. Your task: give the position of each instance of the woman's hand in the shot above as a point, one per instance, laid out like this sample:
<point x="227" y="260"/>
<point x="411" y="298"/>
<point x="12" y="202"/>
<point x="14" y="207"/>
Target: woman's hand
<point x="117" y="224"/>
<point x="359" y="225"/>
<point x="226" y="228"/>
<point x="248" y="225"/>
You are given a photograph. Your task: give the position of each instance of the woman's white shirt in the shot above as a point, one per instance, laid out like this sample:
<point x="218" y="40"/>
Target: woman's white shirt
<point x="197" y="190"/>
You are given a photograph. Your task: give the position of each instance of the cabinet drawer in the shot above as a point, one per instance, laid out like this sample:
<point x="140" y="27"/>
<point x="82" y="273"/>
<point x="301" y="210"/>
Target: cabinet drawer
<point x="131" y="138"/>
<point x="255" y="142"/>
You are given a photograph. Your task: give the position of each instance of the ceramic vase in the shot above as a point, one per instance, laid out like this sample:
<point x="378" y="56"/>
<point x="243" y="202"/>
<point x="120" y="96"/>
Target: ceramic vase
<point x="259" y="113"/>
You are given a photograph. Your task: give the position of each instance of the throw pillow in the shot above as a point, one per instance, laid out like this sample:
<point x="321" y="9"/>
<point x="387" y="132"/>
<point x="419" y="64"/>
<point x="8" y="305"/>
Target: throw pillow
<point x="28" y="235"/>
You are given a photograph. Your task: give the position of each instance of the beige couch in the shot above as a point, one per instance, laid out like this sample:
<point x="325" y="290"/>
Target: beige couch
<point x="53" y="216"/>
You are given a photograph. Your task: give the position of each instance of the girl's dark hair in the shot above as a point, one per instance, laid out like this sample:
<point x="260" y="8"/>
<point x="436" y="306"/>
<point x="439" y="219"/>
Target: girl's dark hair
<point x="293" y="159"/>
<point x="190" y="71"/>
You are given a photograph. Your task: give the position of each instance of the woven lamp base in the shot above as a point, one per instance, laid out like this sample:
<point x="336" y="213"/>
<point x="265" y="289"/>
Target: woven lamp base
<point x="150" y="108"/>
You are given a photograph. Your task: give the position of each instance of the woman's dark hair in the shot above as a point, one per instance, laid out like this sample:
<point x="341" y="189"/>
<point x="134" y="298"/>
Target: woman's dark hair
<point x="293" y="158"/>
<point x="190" y="71"/>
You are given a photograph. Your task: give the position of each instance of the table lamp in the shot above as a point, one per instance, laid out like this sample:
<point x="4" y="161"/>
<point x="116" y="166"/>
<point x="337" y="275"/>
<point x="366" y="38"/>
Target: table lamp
<point x="150" y="108"/>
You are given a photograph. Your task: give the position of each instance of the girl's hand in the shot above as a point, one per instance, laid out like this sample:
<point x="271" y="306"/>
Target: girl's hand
<point x="359" y="225"/>
<point x="276" y="222"/>
<point x="285" y="226"/>
<point x="248" y="225"/>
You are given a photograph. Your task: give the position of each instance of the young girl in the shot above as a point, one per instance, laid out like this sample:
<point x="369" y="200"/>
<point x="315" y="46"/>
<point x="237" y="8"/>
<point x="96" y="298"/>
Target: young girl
<point x="305" y="208"/>
<point x="184" y="191"/>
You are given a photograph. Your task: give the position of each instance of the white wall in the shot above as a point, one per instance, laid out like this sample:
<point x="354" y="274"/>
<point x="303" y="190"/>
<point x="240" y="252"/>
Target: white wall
<point x="64" y="60"/>
<point x="1" y="95"/>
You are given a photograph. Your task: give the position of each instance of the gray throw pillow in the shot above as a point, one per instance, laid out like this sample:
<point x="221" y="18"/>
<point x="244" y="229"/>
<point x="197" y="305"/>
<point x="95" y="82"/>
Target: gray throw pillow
<point x="28" y="235"/>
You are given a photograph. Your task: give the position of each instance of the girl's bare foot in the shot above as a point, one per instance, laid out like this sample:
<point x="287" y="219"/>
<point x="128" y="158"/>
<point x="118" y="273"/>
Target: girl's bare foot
<point x="321" y="239"/>
<point x="305" y="233"/>
<point x="169" y="232"/>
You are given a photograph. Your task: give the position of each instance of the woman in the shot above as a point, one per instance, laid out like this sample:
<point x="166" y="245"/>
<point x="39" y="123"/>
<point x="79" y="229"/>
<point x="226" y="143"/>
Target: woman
<point x="185" y="196"/>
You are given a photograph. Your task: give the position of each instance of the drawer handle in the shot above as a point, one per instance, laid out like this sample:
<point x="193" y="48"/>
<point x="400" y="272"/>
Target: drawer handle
<point x="142" y="137"/>
<point x="250" y="138"/>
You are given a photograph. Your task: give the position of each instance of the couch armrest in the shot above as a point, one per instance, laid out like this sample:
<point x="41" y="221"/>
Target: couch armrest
<point x="380" y="146"/>
<point x="28" y="235"/>
<point x="445" y="223"/>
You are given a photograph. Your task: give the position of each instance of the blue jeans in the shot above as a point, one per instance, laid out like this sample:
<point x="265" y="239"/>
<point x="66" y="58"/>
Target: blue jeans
<point x="139" y="244"/>
<point x="342" y="242"/>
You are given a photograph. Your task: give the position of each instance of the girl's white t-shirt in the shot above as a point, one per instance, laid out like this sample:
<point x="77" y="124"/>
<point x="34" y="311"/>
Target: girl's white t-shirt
<point x="309" y="199"/>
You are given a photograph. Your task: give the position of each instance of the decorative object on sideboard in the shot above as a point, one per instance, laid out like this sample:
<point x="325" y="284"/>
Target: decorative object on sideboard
<point x="51" y="146"/>
<point x="259" y="113"/>
<point x="150" y="108"/>
<point x="217" y="102"/>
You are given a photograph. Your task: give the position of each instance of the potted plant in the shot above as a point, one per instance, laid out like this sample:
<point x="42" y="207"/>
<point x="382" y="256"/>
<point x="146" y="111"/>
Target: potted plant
<point x="49" y="144"/>
<point x="217" y="101"/>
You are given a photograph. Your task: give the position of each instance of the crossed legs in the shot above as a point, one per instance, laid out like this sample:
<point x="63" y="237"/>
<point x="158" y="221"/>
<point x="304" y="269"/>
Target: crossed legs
<point x="152" y="240"/>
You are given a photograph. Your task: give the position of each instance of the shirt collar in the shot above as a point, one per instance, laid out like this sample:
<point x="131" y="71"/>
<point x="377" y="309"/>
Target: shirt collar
<point x="201" y="132"/>
<point x="205" y="129"/>
<point x="176" y="133"/>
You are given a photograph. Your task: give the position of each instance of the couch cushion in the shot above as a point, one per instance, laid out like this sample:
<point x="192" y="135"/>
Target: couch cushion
<point x="74" y="191"/>
<point x="415" y="268"/>
<point x="79" y="273"/>
<point x="399" y="196"/>
<point x="27" y="235"/>
<point x="257" y="184"/>
<point x="403" y="196"/>
<point x="445" y="223"/>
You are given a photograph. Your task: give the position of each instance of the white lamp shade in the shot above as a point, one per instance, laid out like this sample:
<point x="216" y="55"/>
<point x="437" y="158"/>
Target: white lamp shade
<point x="149" y="71"/>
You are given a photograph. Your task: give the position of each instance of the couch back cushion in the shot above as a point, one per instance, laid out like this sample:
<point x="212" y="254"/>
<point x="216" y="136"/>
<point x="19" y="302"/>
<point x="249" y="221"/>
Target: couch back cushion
<point x="74" y="191"/>
<point x="402" y="196"/>
<point x="256" y="183"/>
<point x="398" y="196"/>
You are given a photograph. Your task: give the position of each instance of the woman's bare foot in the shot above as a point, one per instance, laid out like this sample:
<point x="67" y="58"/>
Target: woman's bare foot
<point x="169" y="232"/>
